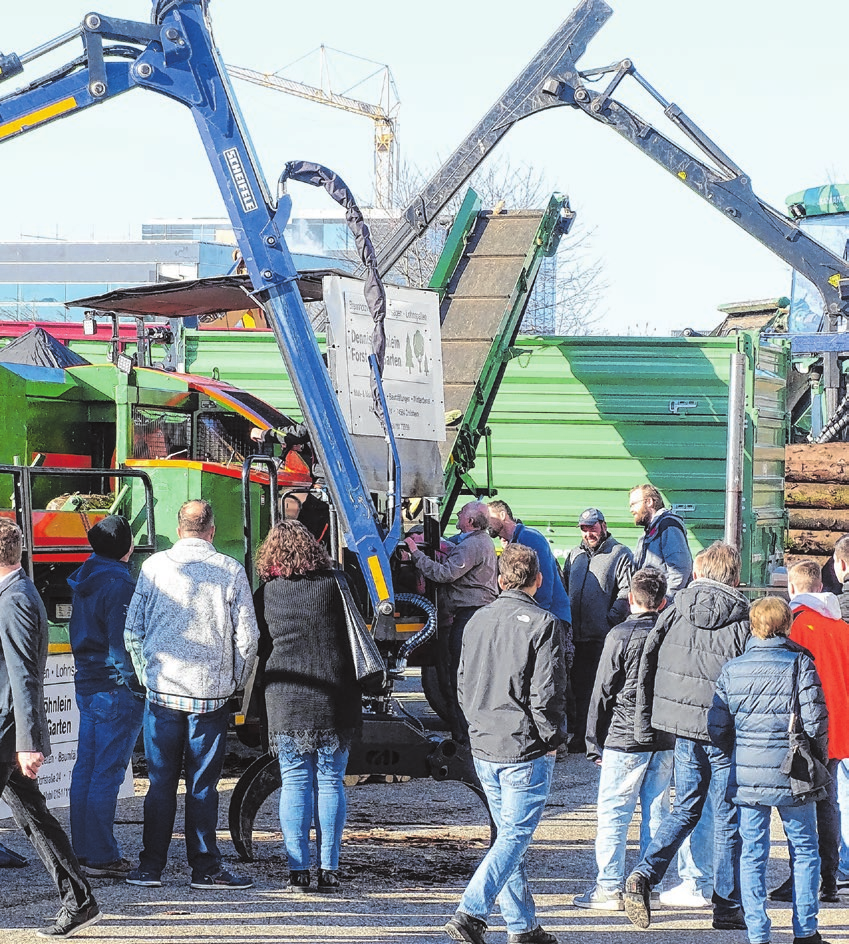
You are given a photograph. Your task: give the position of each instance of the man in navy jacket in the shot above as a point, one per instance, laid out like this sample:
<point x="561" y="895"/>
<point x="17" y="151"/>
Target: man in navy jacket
<point x="108" y="694"/>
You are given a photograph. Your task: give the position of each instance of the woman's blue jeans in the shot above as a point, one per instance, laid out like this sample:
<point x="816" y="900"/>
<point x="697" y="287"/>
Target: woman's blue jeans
<point x="517" y="794"/>
<point x="312" y="787"/>
<point x="800" y="827"/>
<point x="110" y="723"/>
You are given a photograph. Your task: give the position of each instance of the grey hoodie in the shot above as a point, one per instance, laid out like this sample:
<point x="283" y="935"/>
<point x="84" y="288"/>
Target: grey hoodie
<point x="191" y="627"/>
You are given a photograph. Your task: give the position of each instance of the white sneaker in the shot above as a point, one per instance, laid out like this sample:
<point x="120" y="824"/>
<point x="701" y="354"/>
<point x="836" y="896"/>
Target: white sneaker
<point x="684" y="896"/>
<point x="597" y="899"/>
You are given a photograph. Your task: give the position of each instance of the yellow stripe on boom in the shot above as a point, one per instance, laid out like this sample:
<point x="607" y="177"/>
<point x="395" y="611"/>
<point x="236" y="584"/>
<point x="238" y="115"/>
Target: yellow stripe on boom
<point x="377" y="577"/>
<point x="37" y="117"/>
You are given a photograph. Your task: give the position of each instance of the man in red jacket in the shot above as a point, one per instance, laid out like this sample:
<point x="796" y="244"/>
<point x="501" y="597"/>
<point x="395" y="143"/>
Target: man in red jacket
<point x="817" y="626"/>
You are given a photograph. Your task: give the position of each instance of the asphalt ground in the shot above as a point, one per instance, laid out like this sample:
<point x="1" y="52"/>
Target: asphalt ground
<point x="407" y="852"/>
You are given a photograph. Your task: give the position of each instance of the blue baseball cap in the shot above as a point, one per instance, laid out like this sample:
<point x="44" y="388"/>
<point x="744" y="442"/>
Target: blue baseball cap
<point x="590" y="517"/>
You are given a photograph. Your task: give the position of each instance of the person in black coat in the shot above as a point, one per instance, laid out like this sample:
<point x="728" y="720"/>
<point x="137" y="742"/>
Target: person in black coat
<point x="25" y="739"/>
<point x="630" y="770"/>
<point x="312" y="697"/>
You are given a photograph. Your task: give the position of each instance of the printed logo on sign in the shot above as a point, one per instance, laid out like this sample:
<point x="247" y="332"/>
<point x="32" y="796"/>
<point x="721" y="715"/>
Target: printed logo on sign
<point x="237" y="172"/>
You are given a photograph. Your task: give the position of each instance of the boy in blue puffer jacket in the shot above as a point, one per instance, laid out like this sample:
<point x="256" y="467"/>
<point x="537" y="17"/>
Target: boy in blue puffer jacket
<point x="750" y="719"/>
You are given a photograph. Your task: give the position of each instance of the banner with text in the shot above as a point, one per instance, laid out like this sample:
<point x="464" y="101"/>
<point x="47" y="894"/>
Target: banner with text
<point x="63" y="723"/>
<point x="412" y="374"/>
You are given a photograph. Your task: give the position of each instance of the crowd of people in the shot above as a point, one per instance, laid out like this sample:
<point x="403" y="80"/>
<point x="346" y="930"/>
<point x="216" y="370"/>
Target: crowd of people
<point x="653" y="664"/>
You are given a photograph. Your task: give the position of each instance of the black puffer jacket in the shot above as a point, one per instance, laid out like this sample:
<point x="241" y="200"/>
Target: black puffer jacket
<point x="706" y="627"/>
<point x="750" y="717"/>
<point x="610" y="722"/>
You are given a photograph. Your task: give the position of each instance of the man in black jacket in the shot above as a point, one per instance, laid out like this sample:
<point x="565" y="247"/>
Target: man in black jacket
<point x="630" y="770"/>
<point x="24" y="738"/>
<point x="596" y="575"/>
<point x="512" y="689"/>
<point x="683" y="656"/>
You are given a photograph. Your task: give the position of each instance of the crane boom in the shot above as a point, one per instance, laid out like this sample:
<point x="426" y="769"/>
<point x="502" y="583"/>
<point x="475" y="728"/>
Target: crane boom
<point x="385" y="121"/>
<point x="552" y="78"/>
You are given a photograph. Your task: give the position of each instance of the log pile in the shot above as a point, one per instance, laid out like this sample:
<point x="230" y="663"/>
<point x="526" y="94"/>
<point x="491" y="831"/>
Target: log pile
<point x="816" y="494"/>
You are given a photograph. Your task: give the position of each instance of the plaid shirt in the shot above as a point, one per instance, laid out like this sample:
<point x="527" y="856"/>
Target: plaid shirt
<point x="191" y="706"/>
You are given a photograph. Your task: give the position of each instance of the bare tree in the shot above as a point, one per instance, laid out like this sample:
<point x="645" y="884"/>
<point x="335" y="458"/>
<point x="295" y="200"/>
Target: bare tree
<point x="567" y="298"/>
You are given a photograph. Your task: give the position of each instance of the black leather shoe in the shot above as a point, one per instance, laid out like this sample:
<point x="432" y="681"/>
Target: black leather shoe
<point x="811" y="939"/>
<point x="463" y="927"/>
<point x="729" y="921"/>
<point x="784" y="892"/>
<point x="828" y="891"/>
<point x="328" y="881"/>
<point x="299" y="881"/>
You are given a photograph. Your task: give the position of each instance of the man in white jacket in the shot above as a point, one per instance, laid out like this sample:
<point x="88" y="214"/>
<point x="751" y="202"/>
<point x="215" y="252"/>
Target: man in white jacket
<point x="192" y="634"/>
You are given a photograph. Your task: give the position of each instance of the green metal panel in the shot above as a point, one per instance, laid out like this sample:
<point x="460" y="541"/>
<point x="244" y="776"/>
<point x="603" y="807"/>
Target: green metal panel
<point x="577" y="422"/>
<point x="247" y="359"/>
<point x="464" y="220"/>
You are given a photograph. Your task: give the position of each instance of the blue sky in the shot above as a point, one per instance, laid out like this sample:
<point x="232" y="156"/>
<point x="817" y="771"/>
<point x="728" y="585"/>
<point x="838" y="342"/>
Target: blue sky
<point x="764" y="78"/>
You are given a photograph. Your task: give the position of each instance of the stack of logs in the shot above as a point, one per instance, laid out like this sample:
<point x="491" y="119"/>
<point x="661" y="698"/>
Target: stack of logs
<point x="816" y="494"/>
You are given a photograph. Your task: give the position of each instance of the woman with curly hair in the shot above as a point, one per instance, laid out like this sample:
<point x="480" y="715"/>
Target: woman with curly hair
<point x="312" y="697"/>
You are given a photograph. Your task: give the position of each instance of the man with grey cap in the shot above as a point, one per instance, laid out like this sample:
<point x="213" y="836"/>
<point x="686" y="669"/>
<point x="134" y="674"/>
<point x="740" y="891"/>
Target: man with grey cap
<point x="109" y="696"/>
<point x="597" y="576"/>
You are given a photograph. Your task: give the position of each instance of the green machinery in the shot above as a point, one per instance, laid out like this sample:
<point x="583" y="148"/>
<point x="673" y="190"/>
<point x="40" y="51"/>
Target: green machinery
<point x="83" y="441"/>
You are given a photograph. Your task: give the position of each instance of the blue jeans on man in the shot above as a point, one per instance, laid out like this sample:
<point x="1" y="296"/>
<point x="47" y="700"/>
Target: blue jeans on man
<point x="842" y="788"/>
<point x="627" y="777"/>
<point x="517" y="794"/>
<point x="700" y="769"/>
<point x="800" y="827"/>
<point x="312" y="788"/>
<point x="173" y="739"/>
<point x="110" y="724"/>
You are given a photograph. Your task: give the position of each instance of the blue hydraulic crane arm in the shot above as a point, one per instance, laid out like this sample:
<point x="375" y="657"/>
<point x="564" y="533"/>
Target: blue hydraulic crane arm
<point x="553" y="78"/>
<point x="177" y="57"/>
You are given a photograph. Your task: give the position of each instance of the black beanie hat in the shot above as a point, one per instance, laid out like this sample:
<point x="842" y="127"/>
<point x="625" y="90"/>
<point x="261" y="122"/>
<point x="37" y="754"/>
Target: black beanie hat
<point x="111" y="537"/>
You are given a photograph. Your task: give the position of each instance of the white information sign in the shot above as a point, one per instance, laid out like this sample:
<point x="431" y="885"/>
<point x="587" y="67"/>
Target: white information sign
<point x="412" y="375"/>
<point x="63" y="719"/>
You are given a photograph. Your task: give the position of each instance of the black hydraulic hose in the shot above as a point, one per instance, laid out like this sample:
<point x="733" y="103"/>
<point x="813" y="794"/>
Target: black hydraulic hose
<point x="423" y="635"/>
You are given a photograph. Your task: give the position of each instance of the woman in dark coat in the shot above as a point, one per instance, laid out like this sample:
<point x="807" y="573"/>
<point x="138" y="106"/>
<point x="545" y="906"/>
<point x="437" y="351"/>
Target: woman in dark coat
<point x="312" y="697"/>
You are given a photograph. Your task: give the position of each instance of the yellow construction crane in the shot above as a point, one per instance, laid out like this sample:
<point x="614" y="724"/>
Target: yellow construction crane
<point x="384" y="113"/>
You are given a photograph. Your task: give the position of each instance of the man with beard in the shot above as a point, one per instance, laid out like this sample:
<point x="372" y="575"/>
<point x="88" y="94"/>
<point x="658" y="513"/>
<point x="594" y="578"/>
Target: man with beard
<point x="663" y="543"/>
<point x="552" y="594"/>
<point x="597" y="577"/>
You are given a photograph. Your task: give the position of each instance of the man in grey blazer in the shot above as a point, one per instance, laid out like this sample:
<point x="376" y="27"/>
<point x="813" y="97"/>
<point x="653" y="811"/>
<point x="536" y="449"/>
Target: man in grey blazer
<point x="24" y="737"/>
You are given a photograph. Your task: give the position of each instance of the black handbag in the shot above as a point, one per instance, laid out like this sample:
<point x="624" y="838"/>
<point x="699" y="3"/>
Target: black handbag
<point x="369" y="667"/>
<point x="809" y="776"/>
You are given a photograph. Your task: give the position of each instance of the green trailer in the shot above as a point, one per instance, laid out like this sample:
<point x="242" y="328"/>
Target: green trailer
<point x="577" y="422"/>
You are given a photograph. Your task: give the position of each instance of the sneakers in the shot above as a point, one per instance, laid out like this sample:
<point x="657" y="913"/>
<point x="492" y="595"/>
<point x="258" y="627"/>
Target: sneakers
<point x="730" y="921"/>
<point x="463" y="927"/>
<point x="299" y="881"/>
<point x="684" y="896"/>
<point x="538" y="936"/>
<point x="67" y="924"/>
<point x="597" y="899"/>
<point x="328" y="880"/>
<point x="222" y="879"/>
<point x="637" y="900"/>
<point x="147" y="879"/>
<point x="842" y="879"/>
<point x="814" y="938"/>
<point x="120" y="868"/>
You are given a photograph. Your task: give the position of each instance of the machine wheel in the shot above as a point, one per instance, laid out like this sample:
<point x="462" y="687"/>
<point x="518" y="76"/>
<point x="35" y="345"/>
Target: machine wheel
<point x="435" y="694"/>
